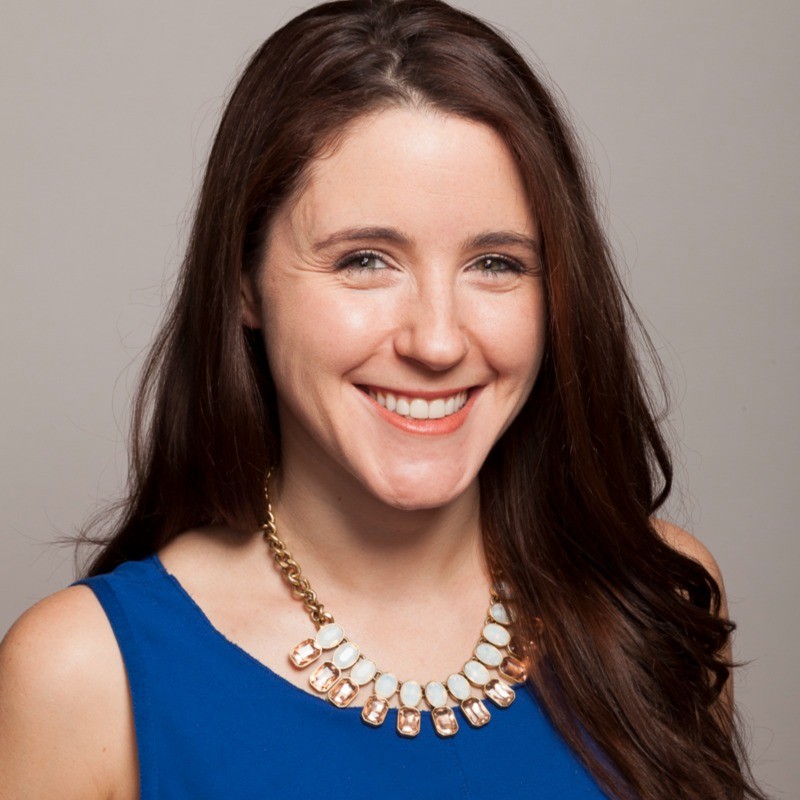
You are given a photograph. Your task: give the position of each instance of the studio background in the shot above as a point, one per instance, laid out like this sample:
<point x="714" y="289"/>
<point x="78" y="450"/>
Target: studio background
<point x="689" y="111"/>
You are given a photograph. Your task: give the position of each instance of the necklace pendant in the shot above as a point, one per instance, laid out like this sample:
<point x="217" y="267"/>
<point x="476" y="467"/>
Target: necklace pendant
<point x="499" y="613"/>
<point x="386" y="685"/>
<point x="408" y="721"/>
<point x="513" y="669"/>
<point x="331" y="679"/>
<point x="435" y="694"/>
<point x="444" y="721"/>
<point x="330" y="635"/>
<point x="342" y="692"/>
<point x="499" y="692"/>
<point x="305" y="653"/>
<point x="496" y="634"/>
<point x="410" y="694"/>
<point x="375" y="710"/>
<point x="475" y="711"/>
<point x="324" y="676"/>
<point x="345" y="655"/>
<point x="476" y="673"/>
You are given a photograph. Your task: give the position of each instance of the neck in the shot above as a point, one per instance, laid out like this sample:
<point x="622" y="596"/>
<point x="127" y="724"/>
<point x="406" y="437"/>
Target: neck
<point x="349" y="543"/>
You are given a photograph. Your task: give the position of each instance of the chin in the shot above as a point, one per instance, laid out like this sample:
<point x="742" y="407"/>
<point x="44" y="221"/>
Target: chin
<point x="420" y="492"/>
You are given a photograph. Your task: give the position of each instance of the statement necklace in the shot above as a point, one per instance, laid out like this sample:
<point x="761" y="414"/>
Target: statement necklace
<point x="342" y="674"/>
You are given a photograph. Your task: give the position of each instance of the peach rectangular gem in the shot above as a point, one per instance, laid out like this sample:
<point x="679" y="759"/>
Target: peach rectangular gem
<point x="408" y="721"/>
<point x="342" y="692"/>
<point x="513" y="669"/>
<point x="499" y="692"/>
<point x="324" y="676"/>
<point x="305" y="653"/>
<point x="375" y="709"/>
<point x="444" y="720"/>
<point x="474" y="709"/>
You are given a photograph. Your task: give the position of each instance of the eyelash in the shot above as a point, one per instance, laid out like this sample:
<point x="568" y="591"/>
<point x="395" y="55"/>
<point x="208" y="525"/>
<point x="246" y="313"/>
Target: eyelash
<point x="349" y="263"/>
<point x="510" y="265"/>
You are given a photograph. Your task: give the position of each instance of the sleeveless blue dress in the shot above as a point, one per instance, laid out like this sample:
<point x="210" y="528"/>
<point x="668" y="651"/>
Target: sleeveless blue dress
<point x="212" y="722"/>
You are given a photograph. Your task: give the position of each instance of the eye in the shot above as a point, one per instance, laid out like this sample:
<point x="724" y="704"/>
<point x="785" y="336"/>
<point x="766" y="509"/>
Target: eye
<point x="365" y="261"/>
<point x="497" y="265"/>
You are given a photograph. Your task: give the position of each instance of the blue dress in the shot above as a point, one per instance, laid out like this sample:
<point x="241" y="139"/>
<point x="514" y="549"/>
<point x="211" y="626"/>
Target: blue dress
<point x="213" y="722"/>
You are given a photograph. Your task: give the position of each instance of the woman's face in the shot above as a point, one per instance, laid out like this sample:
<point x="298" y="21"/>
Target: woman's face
<point x="401" y="283"/>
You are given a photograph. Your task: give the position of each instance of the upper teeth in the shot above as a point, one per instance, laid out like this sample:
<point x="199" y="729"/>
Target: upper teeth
<point x="417" y="408"/>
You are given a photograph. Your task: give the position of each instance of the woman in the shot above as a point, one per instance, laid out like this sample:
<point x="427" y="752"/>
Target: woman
<point x="398" y="318"/>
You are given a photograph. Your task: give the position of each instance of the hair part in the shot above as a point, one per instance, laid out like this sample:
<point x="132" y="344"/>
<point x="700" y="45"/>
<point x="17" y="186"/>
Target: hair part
<point x="622" y="631"/>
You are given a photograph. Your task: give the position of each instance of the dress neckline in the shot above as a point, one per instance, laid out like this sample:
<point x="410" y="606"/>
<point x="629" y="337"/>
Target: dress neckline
<point x="209" y="626"/>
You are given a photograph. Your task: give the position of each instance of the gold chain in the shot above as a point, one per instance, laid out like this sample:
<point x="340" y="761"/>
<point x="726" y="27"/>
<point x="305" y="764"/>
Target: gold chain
<point x="301" y="588"/>
<point x="331" y="678"/>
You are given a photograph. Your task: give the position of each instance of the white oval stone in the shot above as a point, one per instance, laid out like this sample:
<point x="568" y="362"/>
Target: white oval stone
<point x="330" y="635"/>
<point x="499" y="613"/>
<point x="410" y="693"/>
<point x="476" y="672"/>
<point x="458" y="686"/>
<point x="489" y="654"/>
<point x="345" y="655"/>
<point x="363" y="671"/>
<point x="435" y="694"/>
<point x="496" y="634"/>
<point x="386" y="685"/>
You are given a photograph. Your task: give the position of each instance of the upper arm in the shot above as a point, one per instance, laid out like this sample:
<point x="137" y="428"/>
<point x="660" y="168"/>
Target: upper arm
<point x="63" y="701"/>
<point x="690" y="546"/>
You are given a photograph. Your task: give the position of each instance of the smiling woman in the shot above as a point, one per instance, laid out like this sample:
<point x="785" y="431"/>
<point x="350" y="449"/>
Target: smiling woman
<point x="399" y="356"/>
<point x="414" y="307"/>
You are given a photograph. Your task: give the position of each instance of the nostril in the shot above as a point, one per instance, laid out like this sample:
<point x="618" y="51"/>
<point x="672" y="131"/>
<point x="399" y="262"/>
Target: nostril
<point x="437" y="346"/>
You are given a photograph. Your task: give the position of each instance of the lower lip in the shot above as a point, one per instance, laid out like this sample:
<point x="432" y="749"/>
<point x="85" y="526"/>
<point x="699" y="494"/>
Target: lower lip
<point x="428" y="427"/>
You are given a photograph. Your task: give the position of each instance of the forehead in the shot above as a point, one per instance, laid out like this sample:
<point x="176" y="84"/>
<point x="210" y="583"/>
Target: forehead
<point x="417" y="169"/>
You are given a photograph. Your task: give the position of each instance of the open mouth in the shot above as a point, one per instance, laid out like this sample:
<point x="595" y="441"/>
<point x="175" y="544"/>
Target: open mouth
<point x="413" y="407"/>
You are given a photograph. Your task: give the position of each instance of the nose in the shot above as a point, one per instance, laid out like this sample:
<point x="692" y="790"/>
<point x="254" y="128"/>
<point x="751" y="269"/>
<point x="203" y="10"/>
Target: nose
<point x="431" y="331"/>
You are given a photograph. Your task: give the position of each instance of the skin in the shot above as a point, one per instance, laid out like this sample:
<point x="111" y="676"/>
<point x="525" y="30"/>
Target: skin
<point x="368" y="507"/>
<point x="435" y="313"/>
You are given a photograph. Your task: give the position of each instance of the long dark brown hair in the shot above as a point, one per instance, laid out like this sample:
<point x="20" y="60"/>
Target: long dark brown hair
<point x="628" y="654"/>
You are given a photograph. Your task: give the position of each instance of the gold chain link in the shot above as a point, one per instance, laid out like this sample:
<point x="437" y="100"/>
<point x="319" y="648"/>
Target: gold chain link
<point x="301" y="588"/>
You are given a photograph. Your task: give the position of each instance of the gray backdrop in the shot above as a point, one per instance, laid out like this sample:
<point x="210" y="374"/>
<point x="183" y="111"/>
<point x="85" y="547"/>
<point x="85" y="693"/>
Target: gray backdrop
<point x="689" y="110"/>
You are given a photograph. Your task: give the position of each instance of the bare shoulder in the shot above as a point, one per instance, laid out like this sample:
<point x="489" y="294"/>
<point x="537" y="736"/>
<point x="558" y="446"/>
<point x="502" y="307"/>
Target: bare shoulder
<point x="198" y="547"/>
<point x="687" y="544"/>
<point x="65" y="719"/>
<point x="691" y="546"/>
<point x="209" y="559"/>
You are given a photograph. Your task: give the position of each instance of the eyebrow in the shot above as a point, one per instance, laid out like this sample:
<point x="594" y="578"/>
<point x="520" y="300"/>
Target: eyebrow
<point x="359" y="234"/>
<point x="492" y="239"/>
<point x="489" y="239"/>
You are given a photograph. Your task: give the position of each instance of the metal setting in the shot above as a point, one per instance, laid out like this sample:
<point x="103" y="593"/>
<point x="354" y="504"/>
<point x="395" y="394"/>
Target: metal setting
<point x="324" y="676"/>
<point x="343" y="692"/>
<point x="444" y="721"/>
<point x="375" y="710"/>
<point x="475" y="712"/>
<point x="408" y="721"/>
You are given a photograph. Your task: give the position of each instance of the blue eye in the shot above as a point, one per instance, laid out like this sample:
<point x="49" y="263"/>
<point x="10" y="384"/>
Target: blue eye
<point x="495" y="265"/>
<point x="362" y="262"/>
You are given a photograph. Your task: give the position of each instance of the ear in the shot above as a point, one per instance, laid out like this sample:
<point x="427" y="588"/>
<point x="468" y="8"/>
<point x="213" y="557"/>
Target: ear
<point x="251" y="306"/>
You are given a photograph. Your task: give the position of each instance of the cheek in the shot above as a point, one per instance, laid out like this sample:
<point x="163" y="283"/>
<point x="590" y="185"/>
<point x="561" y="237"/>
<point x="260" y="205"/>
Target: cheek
<point x="320" y="328"/>
<point x="534" y="324"/>
<point x="513" y="334"/>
